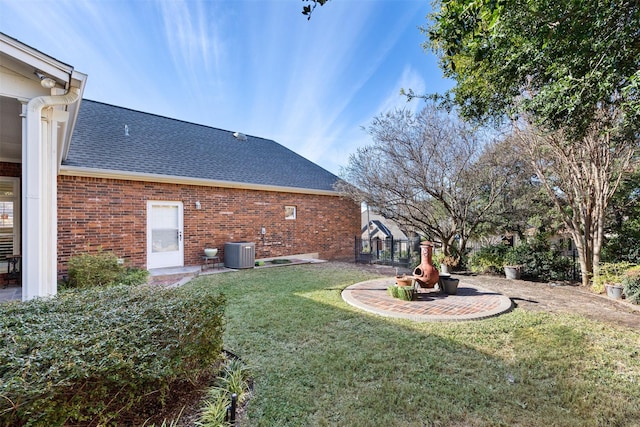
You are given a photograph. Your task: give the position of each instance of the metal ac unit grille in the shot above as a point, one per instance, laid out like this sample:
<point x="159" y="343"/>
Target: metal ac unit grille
<point x="239" y="254"/>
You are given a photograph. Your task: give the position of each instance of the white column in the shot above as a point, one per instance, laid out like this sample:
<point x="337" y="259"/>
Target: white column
<point x="39" y="194"/>
<point x="34" y="281"/>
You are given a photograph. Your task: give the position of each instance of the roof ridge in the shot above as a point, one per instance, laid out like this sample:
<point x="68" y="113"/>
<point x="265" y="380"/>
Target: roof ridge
<point x="172" y="118"/>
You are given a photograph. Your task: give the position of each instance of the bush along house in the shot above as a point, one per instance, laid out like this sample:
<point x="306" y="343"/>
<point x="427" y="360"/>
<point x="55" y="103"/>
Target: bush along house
<point x="79" y="175"/>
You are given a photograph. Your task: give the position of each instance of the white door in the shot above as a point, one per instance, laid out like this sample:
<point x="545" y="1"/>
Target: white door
<point x="165" y="246"/>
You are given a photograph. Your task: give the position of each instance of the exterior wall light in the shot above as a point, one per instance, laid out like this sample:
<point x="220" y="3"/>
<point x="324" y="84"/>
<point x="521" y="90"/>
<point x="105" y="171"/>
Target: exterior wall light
<point x="45" y="82"/>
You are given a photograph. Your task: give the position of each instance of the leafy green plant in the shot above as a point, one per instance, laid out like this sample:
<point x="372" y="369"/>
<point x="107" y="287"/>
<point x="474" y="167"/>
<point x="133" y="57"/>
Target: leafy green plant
<point x="449" y="260"/>
<point x="393" y="291"/>
<point x="631" y="282"/>
<point x="538" y="260"/>
<point x="610" y="273"/>
<point x="133" y="276"/>
<point x="101" y="268"/>
<point x="214" y="412"/>
<point x="405" y="293"/>
<point x="488" y="259"/>
<point x="63" y="360"/>
<point x="93" y="269"/>
<point x="234" y="378"/>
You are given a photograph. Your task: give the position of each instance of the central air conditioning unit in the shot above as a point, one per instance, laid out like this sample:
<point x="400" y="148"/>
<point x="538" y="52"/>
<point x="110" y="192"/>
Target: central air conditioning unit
<point x="239" y="255"/>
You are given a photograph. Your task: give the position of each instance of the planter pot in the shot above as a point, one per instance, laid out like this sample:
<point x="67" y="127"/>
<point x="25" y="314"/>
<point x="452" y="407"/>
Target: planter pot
<point x="404" y="281"/>
<point x="614" y="291"/>
<point x="512" y="272"/>
<point x="210" y="252"/>
<point x="450" y="285"/>
<point x="407" y="293"/>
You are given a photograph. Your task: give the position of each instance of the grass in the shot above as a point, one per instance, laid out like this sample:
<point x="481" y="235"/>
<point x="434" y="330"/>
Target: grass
<point x="316" y="361"/>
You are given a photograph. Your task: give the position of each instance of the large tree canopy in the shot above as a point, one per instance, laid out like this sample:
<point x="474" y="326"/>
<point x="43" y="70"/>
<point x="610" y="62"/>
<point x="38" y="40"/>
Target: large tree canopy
<point x="561" y="61"/>
<point x="429" y="172"/>
<point x="567" y="74"/>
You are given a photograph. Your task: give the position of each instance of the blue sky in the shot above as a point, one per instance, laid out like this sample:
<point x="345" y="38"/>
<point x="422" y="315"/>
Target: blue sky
<point x="255" y="66"/>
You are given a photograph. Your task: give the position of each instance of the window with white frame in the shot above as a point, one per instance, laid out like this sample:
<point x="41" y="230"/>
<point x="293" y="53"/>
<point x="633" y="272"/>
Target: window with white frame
<point x="289" y="212"/>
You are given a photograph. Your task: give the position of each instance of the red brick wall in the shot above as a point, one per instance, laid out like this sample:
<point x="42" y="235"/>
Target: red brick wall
<point x="112" y="214"/>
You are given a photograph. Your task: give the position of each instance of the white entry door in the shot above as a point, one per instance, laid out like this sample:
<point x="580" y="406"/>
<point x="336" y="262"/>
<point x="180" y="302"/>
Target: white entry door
<point x="165" y="245"/>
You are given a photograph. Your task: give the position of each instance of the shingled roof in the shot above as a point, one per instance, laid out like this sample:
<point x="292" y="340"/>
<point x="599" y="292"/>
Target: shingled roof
<point x="157" y="145"/>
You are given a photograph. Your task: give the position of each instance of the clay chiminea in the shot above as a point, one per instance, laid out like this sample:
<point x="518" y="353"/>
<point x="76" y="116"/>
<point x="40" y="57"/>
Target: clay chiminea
<point x="426" y="274"/>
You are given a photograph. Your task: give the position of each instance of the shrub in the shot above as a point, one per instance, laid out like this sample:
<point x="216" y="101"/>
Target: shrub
<point x="610" y="273"/>
<point x="84" y="356"/>
<point x="631" y="283"/>
<point x="539" y="261"/>
<point x="101" y="269"/>
<point x="133" y="276"/>
<point x="488" y="259"/>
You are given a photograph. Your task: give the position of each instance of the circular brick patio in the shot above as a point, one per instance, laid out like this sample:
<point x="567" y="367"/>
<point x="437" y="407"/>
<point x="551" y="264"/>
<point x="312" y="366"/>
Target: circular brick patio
<point x="471" y="302"/>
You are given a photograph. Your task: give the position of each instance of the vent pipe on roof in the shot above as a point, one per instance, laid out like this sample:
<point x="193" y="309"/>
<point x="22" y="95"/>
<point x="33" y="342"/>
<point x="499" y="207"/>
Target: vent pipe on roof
<point x="126" y="130"/>
<point x="240" y="136"/>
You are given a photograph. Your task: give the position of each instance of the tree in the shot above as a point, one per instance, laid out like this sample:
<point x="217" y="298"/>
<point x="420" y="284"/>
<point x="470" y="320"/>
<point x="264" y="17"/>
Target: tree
<point x="580" y="179"/>
<point x="561" y="61"/>
<point x="430" y="172"/>
<point x="523" y="203"/>
<point x="308" y="9"/>
<point x="570" y="73"/>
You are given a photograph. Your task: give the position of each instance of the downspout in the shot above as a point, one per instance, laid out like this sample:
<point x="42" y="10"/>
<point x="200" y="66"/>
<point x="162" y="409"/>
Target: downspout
<point x="40" y="102"/>
<point x="39" y="189"/>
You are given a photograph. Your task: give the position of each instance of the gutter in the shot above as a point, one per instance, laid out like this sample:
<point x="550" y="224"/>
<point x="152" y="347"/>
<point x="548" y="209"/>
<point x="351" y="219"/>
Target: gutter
<point x="172" y="179"/>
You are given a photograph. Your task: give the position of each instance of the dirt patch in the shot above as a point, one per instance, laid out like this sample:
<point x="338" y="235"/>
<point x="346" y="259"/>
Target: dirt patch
<point x="560" y="297"/>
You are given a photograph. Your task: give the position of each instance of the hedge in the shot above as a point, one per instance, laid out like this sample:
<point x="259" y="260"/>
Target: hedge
<point x="84" y="356"/>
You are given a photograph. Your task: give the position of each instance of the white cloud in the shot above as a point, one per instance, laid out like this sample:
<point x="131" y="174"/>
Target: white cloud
<point x="409" y="79"/>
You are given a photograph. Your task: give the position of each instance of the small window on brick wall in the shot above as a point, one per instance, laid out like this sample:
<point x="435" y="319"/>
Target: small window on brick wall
<point x="289" y="212"/>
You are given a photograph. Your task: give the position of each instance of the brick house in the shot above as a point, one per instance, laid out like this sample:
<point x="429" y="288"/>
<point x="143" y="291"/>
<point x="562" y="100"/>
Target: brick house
<point x="81" y="174"/>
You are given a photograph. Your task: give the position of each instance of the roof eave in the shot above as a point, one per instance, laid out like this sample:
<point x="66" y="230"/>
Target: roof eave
<point x="171" y="179"/>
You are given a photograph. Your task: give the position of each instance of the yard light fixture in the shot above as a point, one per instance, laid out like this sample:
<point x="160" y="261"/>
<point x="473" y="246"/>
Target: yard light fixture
<point x="45" y="82"/>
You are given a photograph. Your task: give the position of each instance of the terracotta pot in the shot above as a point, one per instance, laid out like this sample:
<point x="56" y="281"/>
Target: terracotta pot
<point x="426" y="274"/>
<point x="404" y="281"/>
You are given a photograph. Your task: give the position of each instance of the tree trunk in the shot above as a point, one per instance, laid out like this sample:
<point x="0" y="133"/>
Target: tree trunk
<point x="580" y="177"/>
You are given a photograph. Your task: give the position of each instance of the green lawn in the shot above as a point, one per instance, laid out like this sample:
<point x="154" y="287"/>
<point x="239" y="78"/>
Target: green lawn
<point x="317" y="361"/>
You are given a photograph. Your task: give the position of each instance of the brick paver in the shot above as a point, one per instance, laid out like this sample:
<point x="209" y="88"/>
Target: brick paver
<point x="471" y="302"/>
